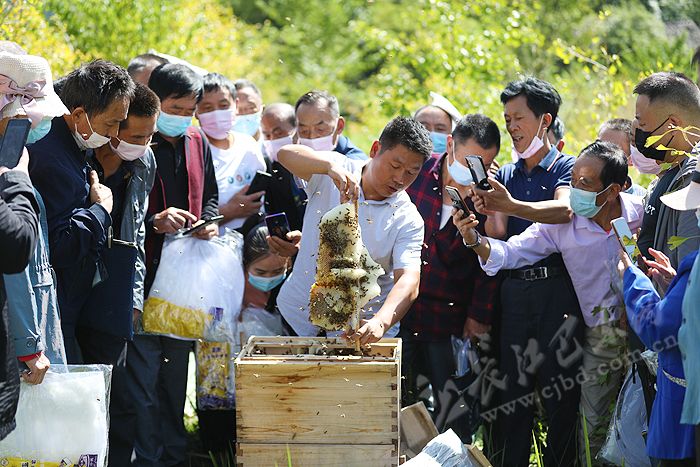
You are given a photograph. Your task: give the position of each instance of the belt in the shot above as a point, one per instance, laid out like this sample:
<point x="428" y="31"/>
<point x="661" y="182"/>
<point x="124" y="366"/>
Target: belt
<point x="678" y="381"/>
<point x="536" y="274"/>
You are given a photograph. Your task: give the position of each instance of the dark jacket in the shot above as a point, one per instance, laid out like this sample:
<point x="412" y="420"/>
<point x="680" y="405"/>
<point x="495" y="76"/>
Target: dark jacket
<point x="284" y="195"/>
<point x="77" y="227"/>
<point x="19" y="226"/>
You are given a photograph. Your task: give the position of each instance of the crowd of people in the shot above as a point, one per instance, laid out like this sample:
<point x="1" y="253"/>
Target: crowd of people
<point x="528" y="269"/>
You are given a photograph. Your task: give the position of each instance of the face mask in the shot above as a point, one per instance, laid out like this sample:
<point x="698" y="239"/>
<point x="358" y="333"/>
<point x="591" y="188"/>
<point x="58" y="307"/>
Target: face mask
<point x="439" y="142"/>
<point x="217" y="123"/>
<point x="248" y="124"/>
<point x="95" y="140"/>
<point x="173" y="126"/>
<point x="583" y="202"/>
<point x="640" y="139"/>
<point x="41" y="130"/>
<point x="127" y="151"/>
<point x="324" y="143"/>
<point x="273" y="146"/>
<point x="266" y="284"/>
<point x="643" y="164"/>
<point x="459" y="172"/>
<point x="535" y="145"/>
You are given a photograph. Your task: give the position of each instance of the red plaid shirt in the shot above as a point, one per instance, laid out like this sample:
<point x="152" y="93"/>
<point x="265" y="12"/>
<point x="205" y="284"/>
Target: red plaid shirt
<point x="453" y="286"/>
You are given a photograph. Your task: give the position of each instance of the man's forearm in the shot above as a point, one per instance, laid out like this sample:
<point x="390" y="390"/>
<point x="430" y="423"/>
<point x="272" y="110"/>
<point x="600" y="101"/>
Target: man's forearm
<point x="400" y="298"/>
<point x="546" y="212"/>
<point x="302" y="161"/>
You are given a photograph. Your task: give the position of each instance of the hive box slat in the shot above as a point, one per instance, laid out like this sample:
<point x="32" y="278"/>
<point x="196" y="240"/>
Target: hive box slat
<point x="310" y="455"/>
<point x="289" y="393"/>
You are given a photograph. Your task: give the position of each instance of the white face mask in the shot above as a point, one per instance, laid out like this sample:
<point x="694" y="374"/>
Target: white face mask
<point x="643" y="164"/>
<point x="128" y="151"/>
<point x="273" y="146"/>
<point x="459" y="172"/>
<point x="324" y="143"/>
<point x="535" y="145"/>
<point x="95" y="140"/>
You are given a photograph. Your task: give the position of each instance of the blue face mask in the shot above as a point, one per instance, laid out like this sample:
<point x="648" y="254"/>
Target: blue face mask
<point x="583" y="202"/>
<point x="439" y="142"/>
<point x="41" y="130"/>
<point x="459" y="172"/>
<point x="173" y="125"/>
<point x="247" y="124"/>
<point x="266" y="284"/>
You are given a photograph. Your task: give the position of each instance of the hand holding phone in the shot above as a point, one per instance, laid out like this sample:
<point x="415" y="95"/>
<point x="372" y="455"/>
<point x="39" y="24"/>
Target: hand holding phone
<point x="261" y="182"/>
<point x="628" y="243"/>
<point x="197" y="228"/>
<point x="13" y="141"/>
<point x="478" y="170"/>
<point x="278" y="226"/>
<point x="457" y="200"/>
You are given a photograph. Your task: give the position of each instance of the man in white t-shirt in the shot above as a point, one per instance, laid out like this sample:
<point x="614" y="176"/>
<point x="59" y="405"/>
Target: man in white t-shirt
<point x="236" y="156"/>
<point x="392" y="228"/>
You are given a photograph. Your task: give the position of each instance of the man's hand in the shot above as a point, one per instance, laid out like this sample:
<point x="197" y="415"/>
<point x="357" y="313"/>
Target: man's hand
<point x="37" y="369"/>
<point x="99" y="193"/>
<point x="137" y="317"/>
<point x="474" y="329"/>
<point x="206" y="233"/>
<point x="465" y="225"/>
<point x="348" y="187"/>
<point x="371" y="330"/>
<point x="660" y="270"/>
<point x="495" y="200"/>
<point x="493" y="169"/>
<point x="242" y="205"/>
<point x="287" y="249"/>
<point x="171" y="220"/>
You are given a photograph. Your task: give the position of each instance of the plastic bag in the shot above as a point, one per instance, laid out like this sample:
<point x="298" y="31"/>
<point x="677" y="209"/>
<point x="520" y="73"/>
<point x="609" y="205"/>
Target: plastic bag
<point x="445" y="450"/>
<point x="215" y="375"/>
<point x="651" y="360"/>
<point x="465" y="355"/>
<point x="625" y="442"/>
<point x="255" y="321"/>
<point x="63" y="421"/>
<point x="198" y="289"/>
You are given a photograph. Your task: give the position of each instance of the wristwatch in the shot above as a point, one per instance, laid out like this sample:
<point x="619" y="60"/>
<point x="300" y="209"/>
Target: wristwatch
<point x="476" y="243"/>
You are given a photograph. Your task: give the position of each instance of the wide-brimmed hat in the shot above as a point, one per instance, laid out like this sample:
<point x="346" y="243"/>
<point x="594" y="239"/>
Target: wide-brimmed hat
<point x="26" y="88"/>
<point x="687" y="198"/>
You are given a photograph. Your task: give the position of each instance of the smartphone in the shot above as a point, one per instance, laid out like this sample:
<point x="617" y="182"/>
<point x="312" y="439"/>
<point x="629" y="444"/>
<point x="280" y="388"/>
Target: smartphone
<point x="197" y="228"/>
<point x="13" y="142"/>
<point x="277" y="225"/>
<point x="457" y="200"/>
<point x="261" y="182"/>
<point x="624" y="236"/>
<point x="478" y="170"/>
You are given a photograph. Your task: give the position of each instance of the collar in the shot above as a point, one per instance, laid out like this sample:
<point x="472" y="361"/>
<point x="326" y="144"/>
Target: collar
<point x="436" y="165"/>
<point x="630" y="212"/>
<point x="547" y="161"/>
<point x="390" y="200"/>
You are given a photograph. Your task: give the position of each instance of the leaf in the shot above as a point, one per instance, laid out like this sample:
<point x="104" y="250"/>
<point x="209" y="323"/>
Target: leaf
<point x="652" y="139"/>
<point x="675" y="241"/>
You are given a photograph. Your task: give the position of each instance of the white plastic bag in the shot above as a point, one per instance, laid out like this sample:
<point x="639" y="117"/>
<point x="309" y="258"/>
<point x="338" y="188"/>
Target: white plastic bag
<point x="198" y="289"/>
<point x="625" y="442"/>
<point x="63" y="419"/>
<point x="445" y="450"/>
<point x="255" y="321"/>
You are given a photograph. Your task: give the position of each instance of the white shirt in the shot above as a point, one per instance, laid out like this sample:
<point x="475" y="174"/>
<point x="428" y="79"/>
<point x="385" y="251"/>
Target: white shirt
<point x="445" y="215"/>
<point x="590" y="254"/>
<point x="235" y="168"/>
<point x="392" y="231"/>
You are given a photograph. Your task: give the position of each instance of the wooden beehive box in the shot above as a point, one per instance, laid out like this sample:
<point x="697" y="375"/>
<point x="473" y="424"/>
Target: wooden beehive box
<point x="315" y="398"/>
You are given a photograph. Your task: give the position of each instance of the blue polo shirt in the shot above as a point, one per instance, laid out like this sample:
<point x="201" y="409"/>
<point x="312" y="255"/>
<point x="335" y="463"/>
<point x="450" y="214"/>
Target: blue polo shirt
<point x="553" y="171"/>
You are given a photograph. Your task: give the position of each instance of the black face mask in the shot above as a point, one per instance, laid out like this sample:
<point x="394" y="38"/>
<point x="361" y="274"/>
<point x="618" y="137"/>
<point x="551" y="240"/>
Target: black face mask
<point x="640" y="140"/>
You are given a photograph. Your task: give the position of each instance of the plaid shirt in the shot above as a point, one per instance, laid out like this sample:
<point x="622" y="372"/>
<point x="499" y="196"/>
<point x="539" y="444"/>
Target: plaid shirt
<point x="453" y="286"/>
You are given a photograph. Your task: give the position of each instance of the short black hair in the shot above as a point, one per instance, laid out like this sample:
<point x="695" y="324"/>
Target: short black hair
<point x="614" y="161"/>
<point x="316" y="97"/>
<point x="484" y="131"/>
<point x="139" y="62"/>
<point x="409" y="133"/>
<point x="94" y="86"/>
<point x="175" y="81"/>
<point x="622" y="125"/>
<point x="58" y="85"/>
<point x="145" y="103"/>
<point x="541" y="96"/>
<point x="216" y="81"/>
<point x="284" y="110"/>
<point x="671" y="87"/>
<point x="255" y="245"/>
<point x="558" y="129"/>
<point x="244" y="83"/>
